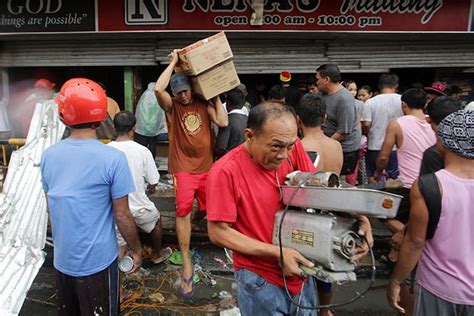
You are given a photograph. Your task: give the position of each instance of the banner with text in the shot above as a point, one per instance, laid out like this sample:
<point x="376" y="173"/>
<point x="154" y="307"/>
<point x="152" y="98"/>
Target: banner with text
<point x="285" y="15"/>
<point x="24" y="16"/>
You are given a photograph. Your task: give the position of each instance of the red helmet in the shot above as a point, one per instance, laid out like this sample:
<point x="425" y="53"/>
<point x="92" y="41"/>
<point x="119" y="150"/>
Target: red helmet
<point x="44" y="83"/>
<point x="81" y="100"/>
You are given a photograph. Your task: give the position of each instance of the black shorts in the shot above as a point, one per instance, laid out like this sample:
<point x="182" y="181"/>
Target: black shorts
<point x="350" y="162"/>
<point x="96" y="294"/>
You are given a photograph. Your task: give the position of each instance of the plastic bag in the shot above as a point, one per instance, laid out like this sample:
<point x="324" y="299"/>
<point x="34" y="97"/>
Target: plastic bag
<point x="150" y="116"/>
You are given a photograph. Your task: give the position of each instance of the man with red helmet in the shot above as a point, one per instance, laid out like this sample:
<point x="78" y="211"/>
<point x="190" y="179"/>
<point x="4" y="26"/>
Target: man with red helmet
<point x="86" y="184"/>
<point x="23" y="109"/>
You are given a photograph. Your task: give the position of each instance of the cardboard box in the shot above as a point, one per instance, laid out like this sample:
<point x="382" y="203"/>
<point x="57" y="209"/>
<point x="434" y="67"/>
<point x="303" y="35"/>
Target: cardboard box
<point x="205" y="54"/>
<point x="215" y="81"/>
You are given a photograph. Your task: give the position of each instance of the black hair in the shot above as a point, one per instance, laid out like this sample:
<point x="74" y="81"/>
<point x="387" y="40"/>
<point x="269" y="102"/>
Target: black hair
<point x="101" y="85"/>
<point x="277" y="92"/>
<point x="86" y="125"/>
<point x="389" y="80"/>
<point x="265" y="111"/>
<point x="441" y="107"/>
<point x="347" y="83"/>
<point x="415" y="98"/>
<point x="311" y="110"/>
<point x="455" y="89"/>
<point x="311" y="81"/>
<point x="124" y="121"/>
<point x="330" y="70"/>
<point x="367" y="88"/>
<point x="235" y="99"/>
<point x="417" y="85"/>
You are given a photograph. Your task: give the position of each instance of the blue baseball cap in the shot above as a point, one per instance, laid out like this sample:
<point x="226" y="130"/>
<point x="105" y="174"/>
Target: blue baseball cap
<point x="179" y="82"/>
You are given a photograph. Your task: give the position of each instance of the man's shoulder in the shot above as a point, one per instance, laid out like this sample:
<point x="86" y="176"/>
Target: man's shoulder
<point x="343" y="96"/>
<point x="329" y="144"/>
<point x="432" y="152"/>
<point x="333" y="143"/>
<point x="127" y="145"/>
<point x="56" y="149"/>
<point x="386" y="97"/>
<point x="237" y="117"/>
<point x="230" y="161"/>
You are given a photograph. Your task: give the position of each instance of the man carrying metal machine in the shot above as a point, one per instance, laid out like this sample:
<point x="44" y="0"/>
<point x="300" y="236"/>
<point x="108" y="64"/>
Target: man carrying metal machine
<point x="244" y="190"/>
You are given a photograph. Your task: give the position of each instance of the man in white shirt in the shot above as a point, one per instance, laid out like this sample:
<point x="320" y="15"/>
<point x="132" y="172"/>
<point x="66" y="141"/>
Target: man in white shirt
<point x="378" y="112"/>
<point x="145" y="177"/>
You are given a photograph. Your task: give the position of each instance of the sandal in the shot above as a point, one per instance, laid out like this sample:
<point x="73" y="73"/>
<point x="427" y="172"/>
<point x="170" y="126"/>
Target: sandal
<point x="188" y="281"/>
<point x="166" y="253"/>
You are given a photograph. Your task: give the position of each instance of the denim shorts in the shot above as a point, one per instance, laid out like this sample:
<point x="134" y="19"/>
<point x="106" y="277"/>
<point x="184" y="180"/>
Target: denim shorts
<point x="256" y="296"/>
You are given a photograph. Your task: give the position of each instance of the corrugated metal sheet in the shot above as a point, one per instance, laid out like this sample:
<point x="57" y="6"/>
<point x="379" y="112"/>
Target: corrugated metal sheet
<point x="4" y="121"/>
<point x="23" y="213"/>
<point x="404" y="54"/>
<point x="257" y="52"/>
<point x="83" y="52"/>
<point x="304" y="56"/>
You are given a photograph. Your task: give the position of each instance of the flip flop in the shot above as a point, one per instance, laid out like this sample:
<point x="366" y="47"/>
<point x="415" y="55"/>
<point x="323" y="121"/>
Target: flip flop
<point x="188" y="281"/>
<point x="177" y="285"/>
<point x="166" y="254"/>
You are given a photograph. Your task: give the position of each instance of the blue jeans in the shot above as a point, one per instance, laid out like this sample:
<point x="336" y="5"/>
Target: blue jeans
<point x="256" y="296"/>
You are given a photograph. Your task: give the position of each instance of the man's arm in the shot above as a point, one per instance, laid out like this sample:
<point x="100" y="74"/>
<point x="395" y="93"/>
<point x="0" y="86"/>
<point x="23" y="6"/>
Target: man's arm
<point x="126" y="226"/>
<point x="222" y="141"/>
<point x="150" y="189"/>
<point x="222" y="234"/>
<point x="365" y="230"/>
<point x="216" y="112"/>
<point x="412" y="246"/>
<point x="366" y="127"/>
<point x="152" y="176"/>
<point x="366" y="119"/>
<point x="345" y="117"/>
<point x="391" y="139"/>
<point x="164" y="98"/>
<point x="338" y="136"/>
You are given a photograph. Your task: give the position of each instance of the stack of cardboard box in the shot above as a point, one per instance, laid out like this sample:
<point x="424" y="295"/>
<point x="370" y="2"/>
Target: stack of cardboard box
<point x="209" y="65"/>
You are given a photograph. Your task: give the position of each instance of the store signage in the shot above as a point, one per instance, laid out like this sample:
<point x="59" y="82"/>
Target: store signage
<point x="20" y="16"/>
<point x="140" y="12"/>
<point x="286" y="15"/>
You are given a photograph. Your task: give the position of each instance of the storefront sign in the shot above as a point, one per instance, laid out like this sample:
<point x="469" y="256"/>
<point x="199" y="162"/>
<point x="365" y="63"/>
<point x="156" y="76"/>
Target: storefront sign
<point x="22" y="16"/>
<point x="286" y="15"/>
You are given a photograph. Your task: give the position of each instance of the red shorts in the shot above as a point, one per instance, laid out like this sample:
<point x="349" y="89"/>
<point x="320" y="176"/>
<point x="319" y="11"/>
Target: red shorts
<point x="188" y="186"/>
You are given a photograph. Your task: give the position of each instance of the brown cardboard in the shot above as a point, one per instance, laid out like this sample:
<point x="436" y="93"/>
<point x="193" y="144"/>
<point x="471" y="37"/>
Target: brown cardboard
<point x="204" y="54"/>
<point x="215" y="81"/>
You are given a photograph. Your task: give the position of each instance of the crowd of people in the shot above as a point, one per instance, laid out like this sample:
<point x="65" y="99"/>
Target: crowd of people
<point x="232" y="153"/>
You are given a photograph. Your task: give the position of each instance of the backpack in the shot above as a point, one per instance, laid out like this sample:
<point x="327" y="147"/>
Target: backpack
<point x="429" y="189"/>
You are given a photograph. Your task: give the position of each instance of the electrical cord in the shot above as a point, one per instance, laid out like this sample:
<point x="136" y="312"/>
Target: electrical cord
<point x="282" y="264"/>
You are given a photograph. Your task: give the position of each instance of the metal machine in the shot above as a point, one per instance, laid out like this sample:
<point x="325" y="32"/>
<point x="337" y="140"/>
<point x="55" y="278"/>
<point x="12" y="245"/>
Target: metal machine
<point x="317" y="221"/>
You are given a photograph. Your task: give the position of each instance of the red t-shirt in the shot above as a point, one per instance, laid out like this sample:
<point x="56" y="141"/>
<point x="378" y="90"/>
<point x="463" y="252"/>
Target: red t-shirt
<point x="190" y="138"/>
<point x="245" y="194"/>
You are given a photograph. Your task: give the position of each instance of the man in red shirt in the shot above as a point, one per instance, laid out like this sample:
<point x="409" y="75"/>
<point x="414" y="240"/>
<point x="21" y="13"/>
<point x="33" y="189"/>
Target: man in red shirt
<point x="243" y="187"/>
<point x="190" y="153"/>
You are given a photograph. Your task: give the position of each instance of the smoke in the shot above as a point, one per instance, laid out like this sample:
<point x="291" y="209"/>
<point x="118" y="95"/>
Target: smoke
<point x="21" y="104"/>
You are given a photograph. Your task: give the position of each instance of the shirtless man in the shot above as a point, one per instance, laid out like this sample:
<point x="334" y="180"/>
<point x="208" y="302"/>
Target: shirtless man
<point x="325" y="152"/>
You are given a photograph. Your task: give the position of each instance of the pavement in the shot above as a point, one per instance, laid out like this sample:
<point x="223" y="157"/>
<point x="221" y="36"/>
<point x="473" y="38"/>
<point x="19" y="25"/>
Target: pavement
<point x="154" y="293"/>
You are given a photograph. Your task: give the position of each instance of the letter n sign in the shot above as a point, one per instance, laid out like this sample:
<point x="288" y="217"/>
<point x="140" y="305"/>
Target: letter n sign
<point x="140" y="12"/>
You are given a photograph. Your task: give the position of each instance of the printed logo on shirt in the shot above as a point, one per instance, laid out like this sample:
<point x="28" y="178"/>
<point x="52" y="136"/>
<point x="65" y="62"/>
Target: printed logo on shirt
<point x="192" y="122"/>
